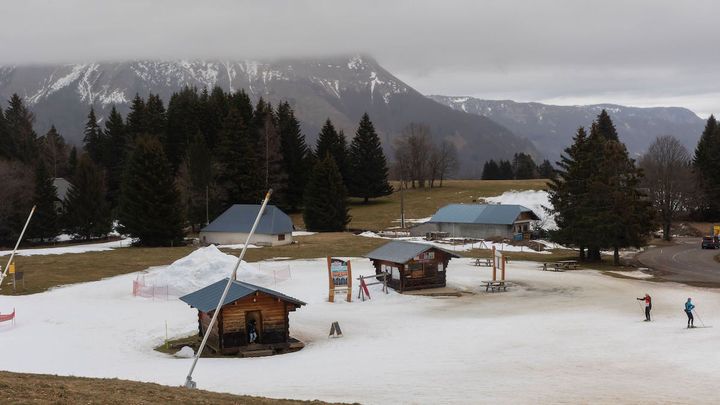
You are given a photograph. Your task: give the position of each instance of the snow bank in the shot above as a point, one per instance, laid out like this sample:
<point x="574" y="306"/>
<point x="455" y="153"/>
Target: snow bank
<point x="533" y="199"/>
<point x="303" y="233"/>
<point x="202" y="267"/>
<point x="463" y="247"/>
<point x="185" y="353"/>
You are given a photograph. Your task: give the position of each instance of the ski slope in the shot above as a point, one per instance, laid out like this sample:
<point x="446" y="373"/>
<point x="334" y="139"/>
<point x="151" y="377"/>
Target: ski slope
<point x="572" y="337"/>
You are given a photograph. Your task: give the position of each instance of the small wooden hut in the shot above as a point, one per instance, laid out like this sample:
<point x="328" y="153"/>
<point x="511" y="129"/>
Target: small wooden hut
<point x="246" y="304"/>
<point x="412" y="266"/>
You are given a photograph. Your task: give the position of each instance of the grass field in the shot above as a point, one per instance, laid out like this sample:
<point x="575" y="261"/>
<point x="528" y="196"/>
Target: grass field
<point x="384" y="212"/>
<point x="44" y="272"/>
<point x="49" y="389"/>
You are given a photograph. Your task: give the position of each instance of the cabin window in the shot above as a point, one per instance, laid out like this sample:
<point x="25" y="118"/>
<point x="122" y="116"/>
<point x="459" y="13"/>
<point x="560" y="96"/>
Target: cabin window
<point x="281" y="236"/>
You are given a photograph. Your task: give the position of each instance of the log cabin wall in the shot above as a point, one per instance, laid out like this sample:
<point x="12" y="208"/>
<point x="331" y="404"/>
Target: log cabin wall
<point x="395" y="270"/>
<point x="203" y="322"/>
<point x="416" y="275"/>
<point x="273" y="325"/>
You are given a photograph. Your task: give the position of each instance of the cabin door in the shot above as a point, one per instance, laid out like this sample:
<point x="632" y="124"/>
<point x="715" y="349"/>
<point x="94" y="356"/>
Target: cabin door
<point x="253" y="322"/>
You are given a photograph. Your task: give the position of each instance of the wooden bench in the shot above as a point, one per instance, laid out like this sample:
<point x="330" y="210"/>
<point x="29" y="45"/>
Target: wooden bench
<point x="481" y="261"/>
<point x="567" y="264"/>
<point x="495" y="285"/>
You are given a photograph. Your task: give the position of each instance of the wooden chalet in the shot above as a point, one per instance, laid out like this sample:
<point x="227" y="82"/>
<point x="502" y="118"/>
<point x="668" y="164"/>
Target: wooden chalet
<point x="245" y="303"/>
<point x="412" y="266"/>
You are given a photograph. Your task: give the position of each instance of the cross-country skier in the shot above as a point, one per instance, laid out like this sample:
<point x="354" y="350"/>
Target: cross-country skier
<point x="648" y="306"/>
<point x="688" y="310"/>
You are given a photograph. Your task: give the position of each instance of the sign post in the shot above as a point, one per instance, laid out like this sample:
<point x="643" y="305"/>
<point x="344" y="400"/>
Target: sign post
<point x="339" y="278"/>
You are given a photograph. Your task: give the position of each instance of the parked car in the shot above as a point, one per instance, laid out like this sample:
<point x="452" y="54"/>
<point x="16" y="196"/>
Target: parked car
<point x="710" y="242"/>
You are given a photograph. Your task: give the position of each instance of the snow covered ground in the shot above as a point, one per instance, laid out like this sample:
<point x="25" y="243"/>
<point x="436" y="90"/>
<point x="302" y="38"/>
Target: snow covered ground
<point x="533" y="199"/>
<point x="570" y="337"/>
<point x="464" y="247"/>
<point x="90" y="247"/>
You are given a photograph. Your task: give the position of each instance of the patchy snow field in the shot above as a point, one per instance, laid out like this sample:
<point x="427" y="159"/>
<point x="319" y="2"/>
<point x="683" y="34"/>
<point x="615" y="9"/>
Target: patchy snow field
<point x="90" y="247"/>
<point x="533" y="199"/>
<point x="570" y="337"/>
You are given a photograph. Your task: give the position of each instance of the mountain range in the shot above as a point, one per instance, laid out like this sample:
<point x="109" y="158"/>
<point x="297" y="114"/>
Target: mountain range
<point x="551" y="127"/>
<point x="342" y="89"/>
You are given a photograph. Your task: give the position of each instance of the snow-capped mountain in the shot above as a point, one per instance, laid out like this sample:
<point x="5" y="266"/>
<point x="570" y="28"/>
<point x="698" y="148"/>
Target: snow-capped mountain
<point x="340" y="88"/>
<point x="551" y="127"/>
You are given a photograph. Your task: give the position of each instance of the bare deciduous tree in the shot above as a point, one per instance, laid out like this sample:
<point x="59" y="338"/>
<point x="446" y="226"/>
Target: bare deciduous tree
<point x="668" y="177"/>
<point x="412" y="154"/>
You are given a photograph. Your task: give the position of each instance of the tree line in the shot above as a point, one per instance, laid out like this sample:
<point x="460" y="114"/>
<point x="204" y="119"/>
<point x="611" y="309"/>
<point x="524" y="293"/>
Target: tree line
<point x="160" y="171"/>
<point x="522" y="167"/>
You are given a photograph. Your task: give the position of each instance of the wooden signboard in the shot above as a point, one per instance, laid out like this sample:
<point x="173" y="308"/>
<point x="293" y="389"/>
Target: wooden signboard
<point x="339" y="278"/>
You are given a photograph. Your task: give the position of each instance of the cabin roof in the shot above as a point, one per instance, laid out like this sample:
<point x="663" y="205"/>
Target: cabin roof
<point x="493" y="214"/>
<point x="399" y="251"/>
<point x="240" y="218"/>
<point x="206" y="298"/>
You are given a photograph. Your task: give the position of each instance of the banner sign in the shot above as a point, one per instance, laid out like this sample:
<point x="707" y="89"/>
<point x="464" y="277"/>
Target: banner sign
<point x="339" y="277"/>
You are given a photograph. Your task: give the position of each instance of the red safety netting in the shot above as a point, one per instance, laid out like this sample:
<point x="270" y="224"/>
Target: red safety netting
<point x="8" y="317"/>
<point x="140" y="289"/>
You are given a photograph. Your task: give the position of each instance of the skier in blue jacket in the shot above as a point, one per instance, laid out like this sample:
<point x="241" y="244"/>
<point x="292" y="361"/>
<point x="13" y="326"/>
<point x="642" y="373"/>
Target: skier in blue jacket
<point x="688" y="310"/>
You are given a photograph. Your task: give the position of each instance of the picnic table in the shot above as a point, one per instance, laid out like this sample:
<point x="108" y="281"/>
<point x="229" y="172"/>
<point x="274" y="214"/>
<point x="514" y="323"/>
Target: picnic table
<point x="561" y="265"/>
<point x="483" y="261"/>
<point x="495" y="285"/>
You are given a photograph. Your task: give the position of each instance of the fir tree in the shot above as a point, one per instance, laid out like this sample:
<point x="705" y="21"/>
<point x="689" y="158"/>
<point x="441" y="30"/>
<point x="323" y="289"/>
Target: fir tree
<point x="491" y="170"/>
<point x="524" y="167"/>
<point x="155" y="116"/>
<point x="546" y="170"/>
<point x="706" y="165"/>
<point x="182" y="124"/>
<point x="195" y="182"/>
<point x="149" y="205"/>
<point x="296" y="156"/>
<point x="332" y="142"/>
<point x="72" y="163"/>
<point x="19" y="123"/>
<point x="94" y="141"/>
<point x="54" y="151"/>
<point x="7" y="143"/>
<point x="136" y="120"/>
<point x="368" y="171"/>
<point x="505" y="170"/>
<point x="239" y="171"/>
<point x="326" y="208"/>
<point x="270" y="153"/>
<point x="605" y="127"/>
<point x="44" y="225"/>
<point x="115" y="154"/>
<point x="87" y="212"/>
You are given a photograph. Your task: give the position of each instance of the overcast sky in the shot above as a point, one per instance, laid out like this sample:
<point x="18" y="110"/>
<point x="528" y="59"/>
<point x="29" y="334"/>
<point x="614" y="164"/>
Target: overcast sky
<point x="635" y="52"/>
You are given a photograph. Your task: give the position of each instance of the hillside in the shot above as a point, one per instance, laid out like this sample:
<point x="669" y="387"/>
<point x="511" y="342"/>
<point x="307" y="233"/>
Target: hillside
<point x="339" y="88"/>
<point x="551" y="127"/>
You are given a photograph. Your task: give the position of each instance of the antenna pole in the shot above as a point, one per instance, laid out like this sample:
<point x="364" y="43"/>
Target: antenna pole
<point x="189" y="383"/>
<point x="2" y="275"/>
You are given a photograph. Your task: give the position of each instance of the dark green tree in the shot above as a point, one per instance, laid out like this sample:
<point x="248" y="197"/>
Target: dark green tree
<point x="239" y="173"/>
<point x="155" y="116"/>
<point x="94" y="141"/>
<point x="72" y="163"/>
<point x="368" y="170"/>
<point x="182" y="124"/>
<point x="326" y="208"/>
<point x="706" y="165"/>
<point x="87" y="212"/>
<point x="44" y="225"/>
<point x="332" y="142"/>
<point x="270" y="153"/>
<point x="296" y="156"/>
<point x="605" y="127"/>
<point x="115" y="155"/>
<point x="136" y="121"/>
<point x="149" y="207"/>
<point x="491" y="170"/>
<point x="54" y="152"/>
<point x="7" y="143"/>
<point x="19" y="123"/>
<point x="506" y="170"/>
<point x="524" y="167"/>
<point x="546" y="170"/>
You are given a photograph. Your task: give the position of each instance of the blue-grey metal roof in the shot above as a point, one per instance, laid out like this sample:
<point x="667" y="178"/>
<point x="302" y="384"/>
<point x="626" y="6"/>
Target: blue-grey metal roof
<point x="399" y="251"/>
<point x="206" y="298"/>
<point x="494" y="214"/>
<point x="240" y="218"/>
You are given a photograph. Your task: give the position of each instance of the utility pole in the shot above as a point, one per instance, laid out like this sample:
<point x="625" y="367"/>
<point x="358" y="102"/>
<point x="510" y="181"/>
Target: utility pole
<point x="207" y="205"/>
<point x="402" y="205"/>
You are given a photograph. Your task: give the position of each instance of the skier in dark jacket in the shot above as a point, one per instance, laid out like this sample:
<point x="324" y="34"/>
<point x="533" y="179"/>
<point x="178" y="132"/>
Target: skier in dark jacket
<point x="648" y="306"/>
<point x="688" y="310"/>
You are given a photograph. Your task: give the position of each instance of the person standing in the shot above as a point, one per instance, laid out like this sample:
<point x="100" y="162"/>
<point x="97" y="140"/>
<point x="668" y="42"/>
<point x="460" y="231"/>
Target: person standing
<point x="688" y="310"/>
<point x="648" y="306"/>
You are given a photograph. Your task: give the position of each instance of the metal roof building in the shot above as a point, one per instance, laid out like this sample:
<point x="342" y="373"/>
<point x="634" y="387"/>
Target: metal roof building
<point x="398" y="251"/>
<point x="479" y="221"/>
<point x="206" y="298"/>
<point x="233" y="226"/>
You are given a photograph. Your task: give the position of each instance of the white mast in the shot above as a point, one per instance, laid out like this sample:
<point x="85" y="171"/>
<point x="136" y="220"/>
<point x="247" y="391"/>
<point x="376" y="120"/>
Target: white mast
<point x="189" y="383"/>
<point x="7" y="267"/>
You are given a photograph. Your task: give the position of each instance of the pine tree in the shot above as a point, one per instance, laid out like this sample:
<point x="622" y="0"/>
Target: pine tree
<point x="149" y="207"/>
<point x="491" y="170"/>
<point x="706" y="165"/>
<point x="326" y="208"/>
<point x="136" y="121"/>
<point x="54" y="152"/>
<point x="114" y="155"/>
<point x="87" y="212"/>
<point x="155" y="116"/>
<point x="605" y="127"/>
<point x="72" y="163"/>
<point x="270" y="154"/>
<point x="546" y="170"/>
<point x="524" y="167"/>
<point x="332" y="142"/>
<point x="296" y="156"/>
<point x="94" y="141"/>
<point x="7" y="143"/>
<point x="182" y="124"/>
<point x="368" y="171"/>
<point x="239" y="171"/>
<point x="195" y="183"/>
<point x="44" y="225"/>
<point x="505" y="170"/>
<point x="19" y="123"/>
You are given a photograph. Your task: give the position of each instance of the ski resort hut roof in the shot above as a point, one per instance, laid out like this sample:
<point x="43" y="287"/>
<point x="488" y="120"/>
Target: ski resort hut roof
<point x="412" y="266"/>
<point x="479" y="221"/>
<point x="253" y="320"/>
<point x="233" y="226"/>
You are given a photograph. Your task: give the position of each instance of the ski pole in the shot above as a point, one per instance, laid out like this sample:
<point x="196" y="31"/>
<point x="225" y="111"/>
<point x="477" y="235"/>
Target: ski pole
<point x="699" y="319"/>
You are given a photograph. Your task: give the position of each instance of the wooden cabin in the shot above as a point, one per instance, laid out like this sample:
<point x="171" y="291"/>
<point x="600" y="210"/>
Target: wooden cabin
<point x="412" y="266"/>
<point x="244" y="304"/>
